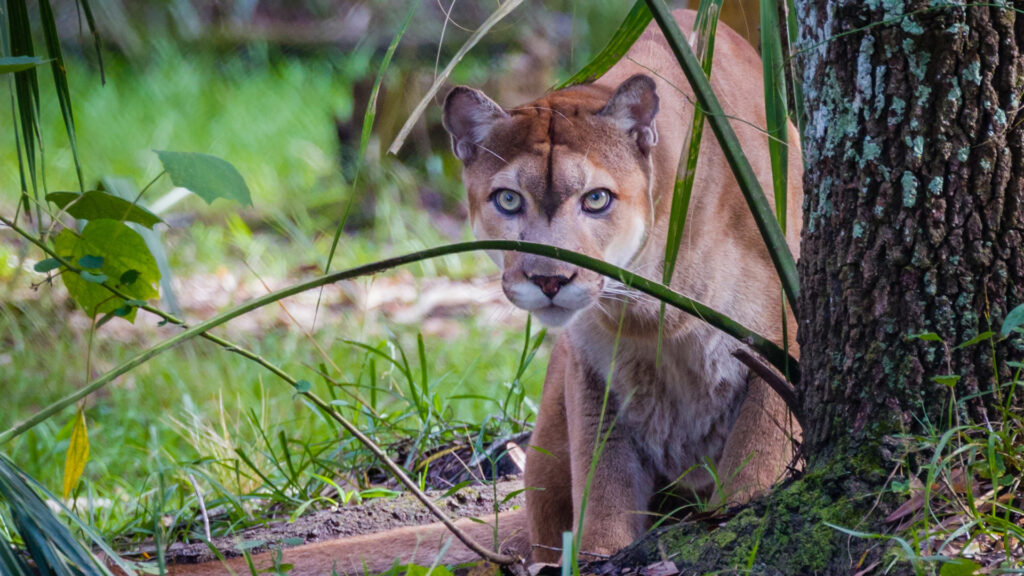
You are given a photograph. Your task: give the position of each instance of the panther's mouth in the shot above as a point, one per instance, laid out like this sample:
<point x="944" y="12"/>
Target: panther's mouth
<point x="554" y="315"/>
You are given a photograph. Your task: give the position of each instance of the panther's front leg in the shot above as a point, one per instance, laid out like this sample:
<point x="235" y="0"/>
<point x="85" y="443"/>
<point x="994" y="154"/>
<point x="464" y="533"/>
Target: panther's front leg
<point x="615" y="504"/>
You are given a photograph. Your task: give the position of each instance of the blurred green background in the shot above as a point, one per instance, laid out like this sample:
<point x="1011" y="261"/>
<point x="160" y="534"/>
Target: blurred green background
<point x="279" y="89"/>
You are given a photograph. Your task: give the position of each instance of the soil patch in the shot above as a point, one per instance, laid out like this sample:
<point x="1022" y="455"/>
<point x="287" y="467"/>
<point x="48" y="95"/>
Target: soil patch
<point x="376" y="515"/>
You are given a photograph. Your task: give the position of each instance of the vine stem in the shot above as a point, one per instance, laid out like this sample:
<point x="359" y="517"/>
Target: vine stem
<point x="329" y="410"/>
<point x="768" y="349"/>
<point x="775" y="355"/>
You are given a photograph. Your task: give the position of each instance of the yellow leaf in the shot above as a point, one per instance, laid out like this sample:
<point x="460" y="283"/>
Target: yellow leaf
<point x="78" y="454"/>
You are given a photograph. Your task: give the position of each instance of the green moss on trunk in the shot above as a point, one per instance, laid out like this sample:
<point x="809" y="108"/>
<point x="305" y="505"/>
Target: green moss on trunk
<point x="790" y="531"/>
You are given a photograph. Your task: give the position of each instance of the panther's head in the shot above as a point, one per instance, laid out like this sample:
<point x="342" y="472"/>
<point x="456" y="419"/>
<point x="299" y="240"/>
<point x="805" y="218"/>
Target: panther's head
<point x="573" y="170"/>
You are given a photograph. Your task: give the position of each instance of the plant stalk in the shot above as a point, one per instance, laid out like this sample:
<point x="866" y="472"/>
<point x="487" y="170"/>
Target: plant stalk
<point x="768" y="349"/>
<point x="772" y="234"/>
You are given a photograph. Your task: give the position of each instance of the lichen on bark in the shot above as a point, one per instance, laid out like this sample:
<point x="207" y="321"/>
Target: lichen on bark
<point x="913" y="195"/>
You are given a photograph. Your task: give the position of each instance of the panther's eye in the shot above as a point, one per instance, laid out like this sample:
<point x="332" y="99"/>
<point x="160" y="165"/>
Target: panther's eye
<point x="597" y="201"/>
<point x="508" y="202"/>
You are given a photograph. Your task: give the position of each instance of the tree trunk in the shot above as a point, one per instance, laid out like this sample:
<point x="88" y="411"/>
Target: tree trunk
<point x="912" y="219"/>
<point x="913" y="222"/>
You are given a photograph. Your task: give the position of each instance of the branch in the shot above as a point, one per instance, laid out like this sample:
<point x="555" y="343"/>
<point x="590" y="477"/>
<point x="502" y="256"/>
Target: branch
<point x="775" y="355"/>
<point x="780" y="386"/>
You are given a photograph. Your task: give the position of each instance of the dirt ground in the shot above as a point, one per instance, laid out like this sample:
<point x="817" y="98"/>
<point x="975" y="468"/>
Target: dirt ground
<point x="376" y="515"/>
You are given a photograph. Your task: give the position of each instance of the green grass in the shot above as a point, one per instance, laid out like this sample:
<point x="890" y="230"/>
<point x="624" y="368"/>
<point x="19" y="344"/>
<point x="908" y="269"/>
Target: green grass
<point x="198" y="412"/>
<point x="191" y="408"/>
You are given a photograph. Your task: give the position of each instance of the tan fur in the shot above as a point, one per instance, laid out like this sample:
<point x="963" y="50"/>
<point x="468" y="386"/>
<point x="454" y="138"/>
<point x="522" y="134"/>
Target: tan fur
<point x="663" y="421"/>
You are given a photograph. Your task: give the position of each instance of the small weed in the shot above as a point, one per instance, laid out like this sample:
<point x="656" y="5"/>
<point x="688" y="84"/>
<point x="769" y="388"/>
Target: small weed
<point x="964" y="502"/>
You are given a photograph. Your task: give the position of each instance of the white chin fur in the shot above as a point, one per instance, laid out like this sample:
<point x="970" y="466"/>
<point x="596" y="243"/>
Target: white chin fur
<point x="551" y="312"/>
<point x="554" y="316"/>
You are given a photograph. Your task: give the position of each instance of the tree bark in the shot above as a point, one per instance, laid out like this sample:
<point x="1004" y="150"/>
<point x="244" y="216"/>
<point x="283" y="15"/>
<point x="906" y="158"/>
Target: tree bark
<point x="913" y="221"/>
<point x="913" y="217"/>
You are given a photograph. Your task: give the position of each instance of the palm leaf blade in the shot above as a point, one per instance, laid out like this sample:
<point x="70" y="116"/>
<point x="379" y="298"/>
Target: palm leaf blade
<point x="60" y="80"/>
<point x="631" y="28"/>
<point x="775" y="102"/>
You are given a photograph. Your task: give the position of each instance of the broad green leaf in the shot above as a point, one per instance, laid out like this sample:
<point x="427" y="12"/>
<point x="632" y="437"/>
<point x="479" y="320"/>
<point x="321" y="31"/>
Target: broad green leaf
<point x="1014" y="319"/>
<point x="11" y="64"/>
<point x="926" y="336"/>
<point x="126" y="189"/>
<point x="947" y="380"/>
<point x="93" y="277"/>
<point x="98" y="205"/>
<point x="206" y="176"/>
<point x="630" y="29"/>
<point x="78" y="454"/>
<point x="122" y="250"/>
<point x="960" y="567"/>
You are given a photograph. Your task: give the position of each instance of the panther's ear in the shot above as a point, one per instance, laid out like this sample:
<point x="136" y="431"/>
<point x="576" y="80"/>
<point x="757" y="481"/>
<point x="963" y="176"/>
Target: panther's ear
<point x="633" y="107"/>
<point x="469" y="116"/>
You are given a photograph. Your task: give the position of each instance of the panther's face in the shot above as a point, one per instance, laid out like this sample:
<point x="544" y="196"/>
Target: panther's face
<point x="571" y="170"/>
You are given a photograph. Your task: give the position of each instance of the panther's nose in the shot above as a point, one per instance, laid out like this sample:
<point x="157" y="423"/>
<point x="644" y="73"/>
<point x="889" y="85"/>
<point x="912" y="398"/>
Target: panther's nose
<point x="549" y="285"/>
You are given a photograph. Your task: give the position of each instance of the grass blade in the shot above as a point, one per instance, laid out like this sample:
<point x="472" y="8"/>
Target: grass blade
<point x="631" y="28"/>
<point x="796" y="83"/>
<point x="775" y="105"/>
<point x="770" y="231"/>
<point x="503" y="10"/>
<point x="60" y="81"/>
<point x="768" y="349"/>
<point x="47" y="540"/>
<point x="369" y="116"/>
<point x="705" y="28"/>
<point x="9" y="65"/>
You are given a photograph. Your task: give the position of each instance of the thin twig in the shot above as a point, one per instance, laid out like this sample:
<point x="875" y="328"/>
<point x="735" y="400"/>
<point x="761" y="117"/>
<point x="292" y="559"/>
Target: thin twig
<point x="780" y="386"/>
<point x="200" y="330"/>
<point x="775" y="354"/>
<point x="582" y="552"/>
